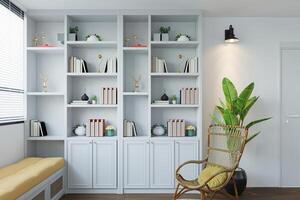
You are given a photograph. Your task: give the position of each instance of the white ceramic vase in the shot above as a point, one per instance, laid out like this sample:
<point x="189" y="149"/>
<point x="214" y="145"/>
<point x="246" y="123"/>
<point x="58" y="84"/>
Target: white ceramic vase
<point x="183" y="38"/>
<point x="80" y="131"/>
<point x="92" y="38"/>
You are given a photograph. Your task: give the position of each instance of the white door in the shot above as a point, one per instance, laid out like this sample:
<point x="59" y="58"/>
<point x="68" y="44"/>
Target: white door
<point x="105" y="164"/>
<point x="185" y="151"/>
<point x="136" y="164"/>
<point x="162" y="164"/>
<point x="80" y="164"/>
<point x="290" y="132"/>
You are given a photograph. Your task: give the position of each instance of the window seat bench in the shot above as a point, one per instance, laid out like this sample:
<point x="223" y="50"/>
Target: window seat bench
<point x="33" y="178"/>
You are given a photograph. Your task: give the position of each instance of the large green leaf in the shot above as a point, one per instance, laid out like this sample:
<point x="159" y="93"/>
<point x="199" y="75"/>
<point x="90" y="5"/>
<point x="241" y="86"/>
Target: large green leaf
<point x="244" y="97"/>
<point x="252" y="137"/>
<point x="230" y="118"/>
<point x="230" y="92"/>
<point x="220" y="109"/>
<point x="247" y="107"/>
<point x="257" y="121"/>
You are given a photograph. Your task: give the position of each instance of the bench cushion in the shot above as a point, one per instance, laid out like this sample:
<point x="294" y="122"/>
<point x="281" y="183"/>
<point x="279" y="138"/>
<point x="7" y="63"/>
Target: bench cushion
<point x="26" y="174"/>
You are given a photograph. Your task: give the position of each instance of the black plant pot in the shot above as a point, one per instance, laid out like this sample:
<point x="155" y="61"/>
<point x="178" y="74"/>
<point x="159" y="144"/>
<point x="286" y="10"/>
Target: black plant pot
<point x="240" y="178"/>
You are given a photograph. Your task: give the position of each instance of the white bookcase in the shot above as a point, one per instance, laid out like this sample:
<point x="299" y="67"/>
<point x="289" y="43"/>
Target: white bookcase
<point x="134" y="164"/>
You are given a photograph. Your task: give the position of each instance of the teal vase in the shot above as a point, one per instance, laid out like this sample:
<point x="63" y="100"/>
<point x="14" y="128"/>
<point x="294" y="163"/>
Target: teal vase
<point x="110" y="133"/>
<point x="190" y="133"/>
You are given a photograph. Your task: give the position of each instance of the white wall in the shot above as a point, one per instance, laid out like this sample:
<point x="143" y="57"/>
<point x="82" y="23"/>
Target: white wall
<point x="11" y="143"/>
<point x="256" y="58"/>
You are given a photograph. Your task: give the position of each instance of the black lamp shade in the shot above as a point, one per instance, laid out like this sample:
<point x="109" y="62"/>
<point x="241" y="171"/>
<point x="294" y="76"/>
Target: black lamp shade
<point x="229" y="35"/>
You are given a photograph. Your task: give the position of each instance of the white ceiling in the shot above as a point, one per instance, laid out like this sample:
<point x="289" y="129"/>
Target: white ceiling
<point x="226" y="8"/>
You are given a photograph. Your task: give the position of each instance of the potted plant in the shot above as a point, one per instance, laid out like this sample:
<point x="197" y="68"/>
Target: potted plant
<point x="93" y="38"/>
<point x="110" y="130"/>
<point x="73" y="33"/>
<point x="173" y="99"/>
<point x="164" y="31"/>
<point x="94" y="100"/>
<point x="234" y="112"/>
<point x="190" y="130"/>
<point x="182" y="37"/>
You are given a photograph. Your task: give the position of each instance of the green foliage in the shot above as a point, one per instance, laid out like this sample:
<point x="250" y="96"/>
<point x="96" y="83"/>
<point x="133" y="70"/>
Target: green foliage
<point x="180" y="34"/>
<point x="236" y="107"/>
<point x="74" y="29"/>
<point x="173" y="98"/>
<point x="164" y="29"/>
<point x="96" y="35"/>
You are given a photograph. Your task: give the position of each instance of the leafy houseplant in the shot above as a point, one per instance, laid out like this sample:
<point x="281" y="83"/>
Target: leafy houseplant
<point x="164" y="31"/>
<point x="173" y="99"/>
<point x="182" y="37"/>
<point x="73" y="33"/>
<point x="233" y="112"/>
<point x="93" y="38"/>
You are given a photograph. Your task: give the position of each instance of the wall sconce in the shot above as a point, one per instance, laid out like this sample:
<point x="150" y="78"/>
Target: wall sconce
<point x="229" y="35"/>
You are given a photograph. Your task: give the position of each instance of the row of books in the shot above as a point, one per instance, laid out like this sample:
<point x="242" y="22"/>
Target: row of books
<point x="37" y="128"/>
<point x="191" y="65"/>
<point x="189" y="96"/>
<point x="159" y="65"/>
<point x="109" y="95"/>
<point x="176" y="127"/>
<point x="129" y="129"/>
<point x="95" y="128"/>
<point x="77" y="65"/>
<point x="109" y="66"/>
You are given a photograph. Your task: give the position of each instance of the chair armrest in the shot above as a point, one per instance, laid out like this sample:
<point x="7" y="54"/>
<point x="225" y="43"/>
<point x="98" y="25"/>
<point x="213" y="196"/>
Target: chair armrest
<point x="191" y="162"/>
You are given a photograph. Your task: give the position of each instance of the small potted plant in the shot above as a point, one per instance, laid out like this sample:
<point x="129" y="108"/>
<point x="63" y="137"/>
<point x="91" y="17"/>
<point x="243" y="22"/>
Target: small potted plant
<point x="93" y="38"/>
<point x="182" y="37"/>
<point x="73" y="33"/>
<point x="173" y="99"/>
<point x="190" y="130"/>
<point x="164" y="31"/>
<point x="110" y="130"/>
<point x="94" y="100"/>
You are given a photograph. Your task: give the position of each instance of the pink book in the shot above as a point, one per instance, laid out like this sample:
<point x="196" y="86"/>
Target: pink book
<point x="92" y="127"/>
<point x="104" y="95"/>
<point x="196" y="91"/>
<point x="100" y="127"/>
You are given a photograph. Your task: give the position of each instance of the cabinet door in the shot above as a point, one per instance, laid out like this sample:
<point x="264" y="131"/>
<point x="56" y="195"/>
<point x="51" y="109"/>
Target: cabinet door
<point x="162" y="164"/>
<point x="185" y="151"/>
<point x="104" y="164"/>
<point x="80" y="164"/>
<point x="136" y="164"/>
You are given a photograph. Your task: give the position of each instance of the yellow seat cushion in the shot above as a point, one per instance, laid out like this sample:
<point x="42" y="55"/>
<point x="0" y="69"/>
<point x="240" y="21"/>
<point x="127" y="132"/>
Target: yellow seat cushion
<point x="210" y="171"/>
<point x="14" y="185"/>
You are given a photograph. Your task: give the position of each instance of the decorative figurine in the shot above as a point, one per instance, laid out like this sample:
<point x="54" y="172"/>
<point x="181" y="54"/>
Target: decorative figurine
<point x="36" y="41"/>
<point x="44" y="83"/>
<point x="137" y="84"/>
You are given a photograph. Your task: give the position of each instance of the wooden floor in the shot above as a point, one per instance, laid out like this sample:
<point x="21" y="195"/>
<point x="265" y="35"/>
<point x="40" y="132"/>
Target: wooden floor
<point x="250" y="194"/>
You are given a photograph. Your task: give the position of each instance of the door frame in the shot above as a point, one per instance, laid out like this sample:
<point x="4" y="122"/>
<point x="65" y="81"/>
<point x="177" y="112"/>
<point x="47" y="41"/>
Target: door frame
<point x="293" y="45"/>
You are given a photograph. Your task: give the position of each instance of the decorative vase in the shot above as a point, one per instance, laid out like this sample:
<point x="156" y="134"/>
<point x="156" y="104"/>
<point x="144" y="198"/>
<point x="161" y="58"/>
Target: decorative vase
<point x="84" y="97"/>
<point x="92" y="38"/>
<point x="110" y="132"/>
<point x="158" y="130"/>
<point x="173" y="101"/>
<point x="94" y="102"/>
<point x="183" y="38"/>
<point x="165" y="37"/>
<point x="156" y="37"/>
<point x="80" y="130"/>
<point x="72" y="37"/>
<point x="240" y="178"/>
<point x="164" y="97"/>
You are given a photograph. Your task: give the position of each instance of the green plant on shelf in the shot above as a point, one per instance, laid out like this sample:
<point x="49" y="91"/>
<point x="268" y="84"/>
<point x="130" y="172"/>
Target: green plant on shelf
<point x="74" y="29"/>
<point x="164" y="29"/>
<point x="178" y="35"/>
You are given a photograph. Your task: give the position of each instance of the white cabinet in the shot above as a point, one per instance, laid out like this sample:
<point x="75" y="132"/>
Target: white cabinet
<point x="136" y="164"/>
<point x="104" y="164"/>
<point x="185" y="151"/>
<point x="162" y="164"/>
<point x="80" y="164"/>
<point x="92" y="164"/>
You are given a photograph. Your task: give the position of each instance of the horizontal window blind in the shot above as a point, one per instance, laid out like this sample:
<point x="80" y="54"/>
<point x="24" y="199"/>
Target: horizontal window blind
<point x="11" y="62"/>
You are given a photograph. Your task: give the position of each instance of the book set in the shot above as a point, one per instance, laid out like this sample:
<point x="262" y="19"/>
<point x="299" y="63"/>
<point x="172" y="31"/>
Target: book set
<point x="159" y="65"/>
<point x="96" y="128"/>
<point x="77" y="65"/>
<point x="176" y="128"/>
<point x="109" y="95"/>
<point x="189" y="96"/>
<point x="191" y="65"/>
<point x="109" y="66"/>
<point x="37" y="128"/>
<point x="129" y="128"/>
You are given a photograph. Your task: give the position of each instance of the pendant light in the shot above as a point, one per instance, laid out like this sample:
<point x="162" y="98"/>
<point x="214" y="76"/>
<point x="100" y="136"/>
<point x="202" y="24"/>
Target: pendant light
<point x="229" y="35"/>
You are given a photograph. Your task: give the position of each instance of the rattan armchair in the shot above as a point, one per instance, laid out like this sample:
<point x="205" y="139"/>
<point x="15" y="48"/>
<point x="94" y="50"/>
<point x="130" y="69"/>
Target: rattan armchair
<point x="225" y="148"/>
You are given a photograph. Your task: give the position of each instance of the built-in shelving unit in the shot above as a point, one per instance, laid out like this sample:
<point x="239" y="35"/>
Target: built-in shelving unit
<point x="107" y="164"/>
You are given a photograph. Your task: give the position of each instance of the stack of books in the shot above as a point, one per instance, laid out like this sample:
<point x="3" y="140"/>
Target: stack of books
<point x="109" y="95"/>
<point x="189" y="96"/>
<point x="176" y="127"/>
<point x="109" y="66"/>
<point x="159" y="65"/>
<point x="37" y="128"/>
<point x="79" y="102"/>
<point x="95" y="128"/>
<point x="129" y="129"/>
<point x="191" y="65"/>
<point x="161" y="102"/>
<point x="77" y="65"/>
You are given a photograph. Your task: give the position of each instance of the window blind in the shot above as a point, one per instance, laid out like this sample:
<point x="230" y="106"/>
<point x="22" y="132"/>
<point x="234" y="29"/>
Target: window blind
<point x="11" y="62"/>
